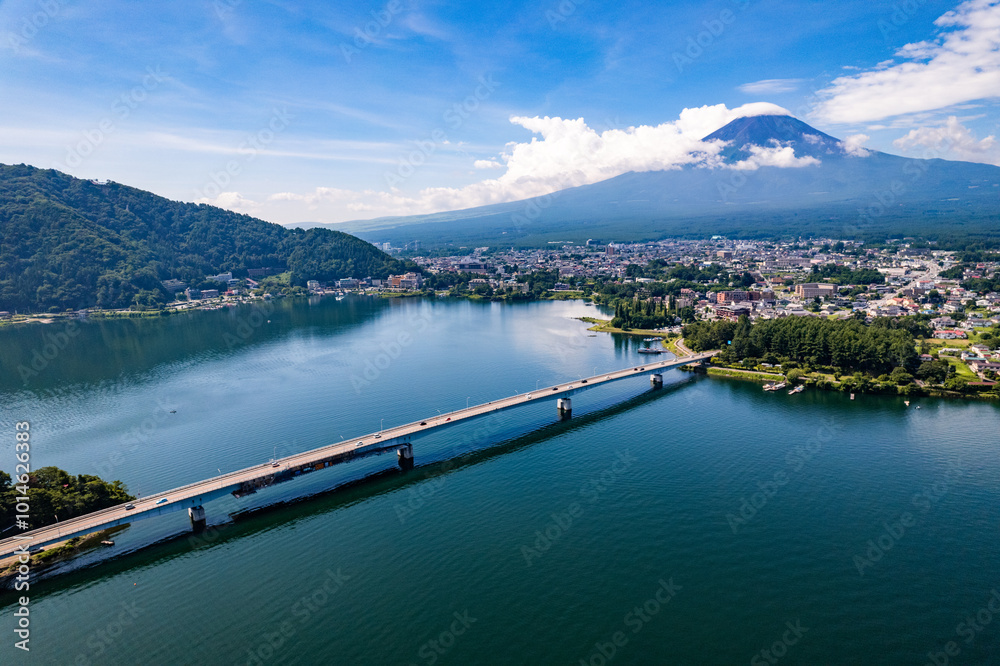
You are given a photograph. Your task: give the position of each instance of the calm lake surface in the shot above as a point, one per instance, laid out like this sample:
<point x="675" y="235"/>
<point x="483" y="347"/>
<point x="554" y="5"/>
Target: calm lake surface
<point x="702" y="523"/>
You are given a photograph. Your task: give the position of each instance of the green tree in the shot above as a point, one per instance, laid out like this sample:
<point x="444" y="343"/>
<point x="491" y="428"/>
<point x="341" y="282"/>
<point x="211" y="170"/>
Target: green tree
<point x="795" y="375"/>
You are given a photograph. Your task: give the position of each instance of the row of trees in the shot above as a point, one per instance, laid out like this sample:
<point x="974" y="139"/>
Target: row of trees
<point x="53" y="492"/>
<point x="643" y="314"/>
<point x="845" y="275"/>
<point x="846" y="344"/>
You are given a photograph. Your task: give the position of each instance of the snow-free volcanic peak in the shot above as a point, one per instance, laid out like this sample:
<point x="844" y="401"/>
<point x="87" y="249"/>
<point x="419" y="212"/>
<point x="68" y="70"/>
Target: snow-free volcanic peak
<point x="765" y="130"/>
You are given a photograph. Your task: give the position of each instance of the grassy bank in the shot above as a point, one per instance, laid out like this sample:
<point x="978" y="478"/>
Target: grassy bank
<point x="748" y="375"/>
<point x="604" y="326"/>
<point x="59" y="552"/>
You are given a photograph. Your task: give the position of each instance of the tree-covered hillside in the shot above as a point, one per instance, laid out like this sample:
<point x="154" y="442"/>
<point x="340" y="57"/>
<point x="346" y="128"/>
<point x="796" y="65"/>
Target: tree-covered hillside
<point x="70" y="243"/>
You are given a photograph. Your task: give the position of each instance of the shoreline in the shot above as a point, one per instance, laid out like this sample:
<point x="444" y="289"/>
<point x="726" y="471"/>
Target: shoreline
<point x="44" y="560"/>
<point x="740" y="374"/>
<point x="835" y="387"/>
<point x="183" y="307"/>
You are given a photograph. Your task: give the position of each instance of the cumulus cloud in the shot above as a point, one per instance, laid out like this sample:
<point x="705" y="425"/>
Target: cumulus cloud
<point x="233" y="201"/>
<point x="961" y="65"/>
<point x="565" y="153"/>
<point x="853" y="145"/>
<point x="951" y="138"/>
<point x="770" y="86"/>
<point x="775" y="155"/>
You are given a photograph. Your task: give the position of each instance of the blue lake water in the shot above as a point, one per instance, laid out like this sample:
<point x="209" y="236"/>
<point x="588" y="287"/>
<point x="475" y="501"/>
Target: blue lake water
<point x="704" y="523"/>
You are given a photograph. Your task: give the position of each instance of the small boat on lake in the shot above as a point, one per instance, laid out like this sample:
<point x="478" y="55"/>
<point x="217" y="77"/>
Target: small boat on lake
<point x="651" y="350"/>
<point x="797" y="389"/>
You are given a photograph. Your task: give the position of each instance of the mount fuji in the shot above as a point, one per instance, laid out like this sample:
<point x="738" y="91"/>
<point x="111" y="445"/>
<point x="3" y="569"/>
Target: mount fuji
<point x="774" y="176"/>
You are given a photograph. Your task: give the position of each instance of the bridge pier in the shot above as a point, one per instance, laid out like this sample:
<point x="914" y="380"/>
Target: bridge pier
<point x="656" y="380"/>
<point x="405" y="457"/>
<point x="198" y="518"/>
<point x="565" y="408"/>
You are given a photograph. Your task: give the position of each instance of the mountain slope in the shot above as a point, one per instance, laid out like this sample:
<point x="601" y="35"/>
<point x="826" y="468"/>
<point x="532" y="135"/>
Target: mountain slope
<point x="69" y="243"/>
<point x="846" y="195"/>
<point x="763" y="131"/>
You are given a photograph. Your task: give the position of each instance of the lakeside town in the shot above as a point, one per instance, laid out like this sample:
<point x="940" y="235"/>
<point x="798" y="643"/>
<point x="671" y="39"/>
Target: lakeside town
<point x="956" y="294"/>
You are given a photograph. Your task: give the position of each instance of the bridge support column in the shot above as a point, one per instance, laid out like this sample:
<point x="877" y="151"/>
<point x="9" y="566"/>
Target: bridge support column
<point x="197" y="516"/>
<point x="405" y="455"/>
<point x="564" y="407"/>
<point x="656" y="380"/>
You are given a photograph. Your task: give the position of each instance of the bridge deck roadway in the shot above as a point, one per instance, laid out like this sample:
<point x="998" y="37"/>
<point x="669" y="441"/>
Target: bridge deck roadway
<point x="390" y="439"/>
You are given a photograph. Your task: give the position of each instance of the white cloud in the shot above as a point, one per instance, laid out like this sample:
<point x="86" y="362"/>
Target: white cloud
<point x="566" y="153"/>
<point x="951" y="138"/>
<point x="770" y="86"/>
<point x="853" y="145"/>
<point x="776" y="156"/>
<point x="487" y="164"/>
<point x="961" y="65"/>
<point x="233" y="201"/>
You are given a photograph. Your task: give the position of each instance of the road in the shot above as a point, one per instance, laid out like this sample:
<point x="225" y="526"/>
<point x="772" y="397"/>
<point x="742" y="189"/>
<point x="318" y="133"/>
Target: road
<point x="196" y="494"/>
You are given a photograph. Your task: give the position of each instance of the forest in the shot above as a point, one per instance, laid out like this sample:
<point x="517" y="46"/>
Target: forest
<point x="850" y="344"/>
<point x="649" y="314"/>
<point x="67" y="243"/>
<point x="54" y="494"/>
<point x="844" y="275"/>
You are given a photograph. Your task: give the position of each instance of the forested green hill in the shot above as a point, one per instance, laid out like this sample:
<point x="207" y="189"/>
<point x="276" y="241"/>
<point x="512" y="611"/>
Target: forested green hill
<point x="70" y="243"/>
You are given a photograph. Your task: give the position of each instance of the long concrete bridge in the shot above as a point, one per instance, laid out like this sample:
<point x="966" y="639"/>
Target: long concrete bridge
<point x="247" y="481"/>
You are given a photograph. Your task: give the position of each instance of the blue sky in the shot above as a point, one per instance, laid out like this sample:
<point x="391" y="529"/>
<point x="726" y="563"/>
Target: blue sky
<point x="296" y="111"/>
